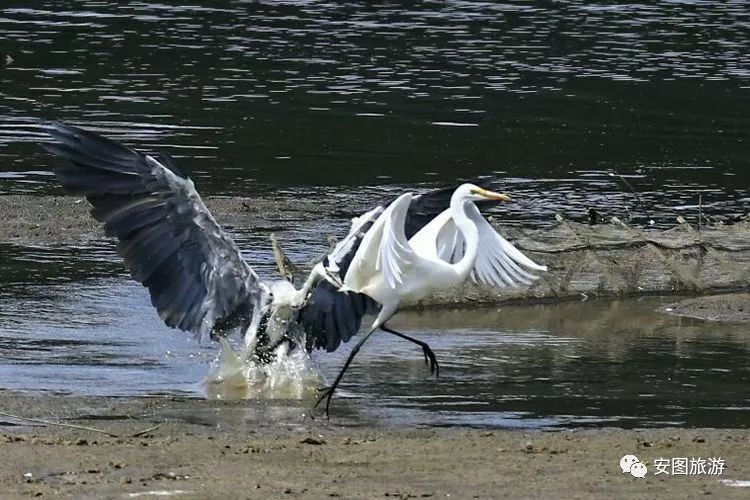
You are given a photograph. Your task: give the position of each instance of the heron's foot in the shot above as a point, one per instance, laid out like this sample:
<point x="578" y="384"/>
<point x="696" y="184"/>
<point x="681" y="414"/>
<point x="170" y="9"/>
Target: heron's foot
<point x="431" y="360"/>
<point x="332" y="276"/>
<point x="326" y="393"/>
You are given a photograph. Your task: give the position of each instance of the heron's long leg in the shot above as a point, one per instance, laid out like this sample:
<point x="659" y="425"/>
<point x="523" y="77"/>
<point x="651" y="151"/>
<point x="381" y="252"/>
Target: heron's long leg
<point x="328" y="392"/>
<point x="429" y="356"/>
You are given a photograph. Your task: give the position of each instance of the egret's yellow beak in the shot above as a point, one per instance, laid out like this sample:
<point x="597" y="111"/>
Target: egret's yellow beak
<point x="491" y="195"/>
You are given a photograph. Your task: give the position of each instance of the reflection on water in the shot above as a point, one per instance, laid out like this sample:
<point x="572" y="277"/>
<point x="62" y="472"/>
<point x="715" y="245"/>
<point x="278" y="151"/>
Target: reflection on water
<point x="252" y="95"/>
<point x="598" y="363"/>
<point x="620" y="363"/>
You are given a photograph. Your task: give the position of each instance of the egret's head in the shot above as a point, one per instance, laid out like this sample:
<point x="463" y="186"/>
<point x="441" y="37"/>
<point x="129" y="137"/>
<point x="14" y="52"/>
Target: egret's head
<point x="470" y="192"/>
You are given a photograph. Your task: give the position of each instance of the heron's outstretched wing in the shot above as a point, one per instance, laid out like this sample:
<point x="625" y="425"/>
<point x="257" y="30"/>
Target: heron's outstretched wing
<point x="424" y="208"/>
<point x="498" y="262"/>
<point x="168" y="239"/>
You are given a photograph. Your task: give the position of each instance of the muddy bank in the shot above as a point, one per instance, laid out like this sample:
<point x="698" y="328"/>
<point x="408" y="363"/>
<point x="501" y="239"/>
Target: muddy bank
<point x="734" y="307"/>
<point x="209" y="449"/>
<point x="611" y="259"/>
<point x="65" y="220"/>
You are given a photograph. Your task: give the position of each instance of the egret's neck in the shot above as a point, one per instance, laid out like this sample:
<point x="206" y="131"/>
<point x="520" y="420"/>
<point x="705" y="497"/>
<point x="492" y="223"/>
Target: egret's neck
<point x="469" y="231"/>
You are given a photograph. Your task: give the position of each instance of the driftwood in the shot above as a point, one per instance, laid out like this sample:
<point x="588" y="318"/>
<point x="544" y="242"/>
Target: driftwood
<point x="77" y="427"/>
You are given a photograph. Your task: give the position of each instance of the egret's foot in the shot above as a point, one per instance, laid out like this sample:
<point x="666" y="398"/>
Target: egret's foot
<point x="429" y="356"/>
<point x="431" y="360"/>
<point x="327" y="393"/>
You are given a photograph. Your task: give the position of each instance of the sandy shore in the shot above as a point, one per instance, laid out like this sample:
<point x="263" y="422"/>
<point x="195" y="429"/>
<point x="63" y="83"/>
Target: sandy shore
<point x="210" y="449"/>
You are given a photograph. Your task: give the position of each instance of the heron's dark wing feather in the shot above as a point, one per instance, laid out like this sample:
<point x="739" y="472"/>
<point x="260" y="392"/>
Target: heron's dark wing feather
<point x="168" y="239"/>
<point x="330" y="317"/>
<point x="426" y="206"/>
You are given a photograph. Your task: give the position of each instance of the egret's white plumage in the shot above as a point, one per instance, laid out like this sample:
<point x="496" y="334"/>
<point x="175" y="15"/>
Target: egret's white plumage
<point x="455" y="245"/>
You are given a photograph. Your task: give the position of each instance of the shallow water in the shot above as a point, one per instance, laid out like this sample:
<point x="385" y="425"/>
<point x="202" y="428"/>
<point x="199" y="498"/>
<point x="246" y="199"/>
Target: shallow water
<point x="572" y="104"/>
<point x="75" y="324"/>
<point x="553" y="97"/>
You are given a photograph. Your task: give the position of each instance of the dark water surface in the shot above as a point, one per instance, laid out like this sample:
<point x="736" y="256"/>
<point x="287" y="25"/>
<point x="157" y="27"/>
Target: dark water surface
<point x="77" y="325"/>
<point x="554" y="96"/>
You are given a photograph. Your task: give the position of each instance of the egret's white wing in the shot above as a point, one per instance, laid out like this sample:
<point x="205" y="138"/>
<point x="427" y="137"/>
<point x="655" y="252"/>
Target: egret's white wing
<point x="498" y="262"/>
<point x="342" y="253"/>
<point x="384" y="249"/>
<point x="427" y="206"/>
<point x="450" y="243"/>
<point x="440" y="239"/>
<point x="395" y="253"/>
<point x="330" y="317"/>
<point x="168" y="239"/>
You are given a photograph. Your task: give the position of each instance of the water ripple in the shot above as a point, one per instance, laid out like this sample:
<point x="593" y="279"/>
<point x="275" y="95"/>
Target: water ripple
<point x="363" y="93"/>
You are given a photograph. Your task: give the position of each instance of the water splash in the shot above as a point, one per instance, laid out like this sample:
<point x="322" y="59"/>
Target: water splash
<point x="234" y="375"/>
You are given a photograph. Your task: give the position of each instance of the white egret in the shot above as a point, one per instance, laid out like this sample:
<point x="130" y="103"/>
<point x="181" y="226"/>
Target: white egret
<point x="199" y="282"/>
<point x="390" y="268"/>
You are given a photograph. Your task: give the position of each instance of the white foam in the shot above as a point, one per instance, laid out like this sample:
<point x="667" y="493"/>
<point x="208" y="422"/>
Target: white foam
<point x="737" y="483"/>
<point x="290" y="376"/>
<point x="159" y="493"/>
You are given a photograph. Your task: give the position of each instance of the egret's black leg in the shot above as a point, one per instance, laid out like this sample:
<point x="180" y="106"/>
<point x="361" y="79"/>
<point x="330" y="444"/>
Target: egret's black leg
<point x="429" y="357"/>
<point x="328" y="391"/>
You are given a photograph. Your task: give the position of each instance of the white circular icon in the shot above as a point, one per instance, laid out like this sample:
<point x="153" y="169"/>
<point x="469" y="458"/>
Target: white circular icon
<point x="630" y="463"/>
<point x="627" y="462"/>
<point x="638" y="469"/>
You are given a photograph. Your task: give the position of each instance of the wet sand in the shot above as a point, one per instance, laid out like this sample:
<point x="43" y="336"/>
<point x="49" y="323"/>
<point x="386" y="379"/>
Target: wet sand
<point x="210" y="449"/>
